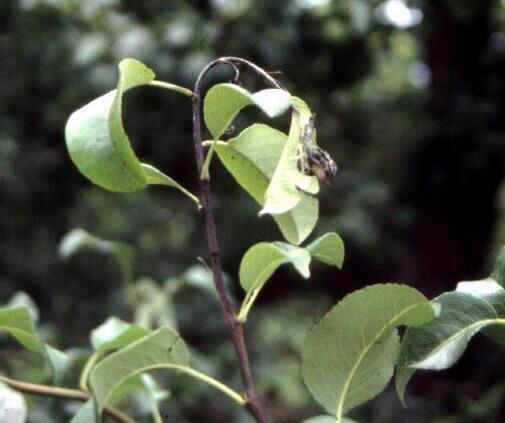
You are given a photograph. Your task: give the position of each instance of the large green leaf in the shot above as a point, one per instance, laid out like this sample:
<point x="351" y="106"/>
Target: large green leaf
<point x="18" y="322"/>
<point x="261" y="261"/>
<point x="348" y="357"/>
<point x="251" y="158"/>
<point x="163" y="348"/>
<point x="288" y="184"/>
<point x="98" y="144"/>
<point x="328" y="249"/>
<point x="111" y="335"/>
<point x="224" y="101"/>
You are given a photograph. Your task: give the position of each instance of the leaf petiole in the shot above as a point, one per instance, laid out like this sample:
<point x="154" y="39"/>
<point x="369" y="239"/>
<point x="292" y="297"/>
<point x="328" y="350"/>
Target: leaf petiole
<point x="172" y="87"/>
<point x="92" y="360"/>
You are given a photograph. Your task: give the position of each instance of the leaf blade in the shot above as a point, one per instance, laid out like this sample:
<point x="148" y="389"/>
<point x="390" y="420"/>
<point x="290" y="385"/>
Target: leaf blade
<point x="341" y="349"/>
<point x="18" y="322"/>
<point x="99" y="146"/>
<point x="440" y="343"/>
<point x="224" y="101"/>
<point x="328" y="249"/>
<point x="251" y="158"/>
<point x="162" y="348"/>
<point x="288" y="184"/>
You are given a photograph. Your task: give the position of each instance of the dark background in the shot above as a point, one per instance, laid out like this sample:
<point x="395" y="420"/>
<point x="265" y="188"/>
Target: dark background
<point x="410" y="99"/>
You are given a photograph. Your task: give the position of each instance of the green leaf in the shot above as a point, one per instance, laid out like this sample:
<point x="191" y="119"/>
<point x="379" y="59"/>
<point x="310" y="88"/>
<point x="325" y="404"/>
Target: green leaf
<point x="85" y="414"/>
<point x="156" y="177"/>
<point x="98" y="144"/>
<point x="251" y="158"/>
<point x="163" y="348"/>
<point x="402" y="378"/>
<point x="494" y="293"/>
<point x="348" y="357"/>
<point x="154" y="307"/>
<point x="18" y="322"/>
<point x="78" y="239"/>
<point x="224" y="101"/>
<point x="440" y="343"/>
<point x="328" y="249"/>
<point x="463" y="313"/>
<point x="21" y="298"/>
<point x="114" y="334"/>
<point x="288" y="184"/>
<point x="261" y="261"/>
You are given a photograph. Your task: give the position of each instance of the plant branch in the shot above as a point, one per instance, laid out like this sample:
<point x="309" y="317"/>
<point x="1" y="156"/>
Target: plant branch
<point x="57" y="392"/>
<point x="253" y="405"/>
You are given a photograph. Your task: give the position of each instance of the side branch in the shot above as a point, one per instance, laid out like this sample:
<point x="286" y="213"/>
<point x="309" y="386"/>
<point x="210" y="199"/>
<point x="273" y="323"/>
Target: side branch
<point x="64" y="393"/>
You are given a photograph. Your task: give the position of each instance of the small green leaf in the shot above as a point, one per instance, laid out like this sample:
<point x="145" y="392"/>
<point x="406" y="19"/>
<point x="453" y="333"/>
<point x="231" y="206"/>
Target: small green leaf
<point x="161" y="349"/>
<point x="18" y="322"/>
<point x="251" y="158"/>
<point x="288" y="184"/>
<point x="328" y="249"/>
<point x="98" y="144"/>
<point x="114" y="334"/>
<point x="155" y="177"/>
<point x="224" y="101"/>
<point x="349" y="356"/>
<point x="440" y="343"/>
<point x="261" y="261"/>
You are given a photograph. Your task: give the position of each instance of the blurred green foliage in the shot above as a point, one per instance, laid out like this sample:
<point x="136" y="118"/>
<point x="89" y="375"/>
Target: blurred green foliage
<point x="410" y="98"/>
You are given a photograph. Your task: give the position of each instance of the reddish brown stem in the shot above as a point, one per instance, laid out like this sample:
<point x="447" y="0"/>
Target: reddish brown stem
<point x="254" y="405"/>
